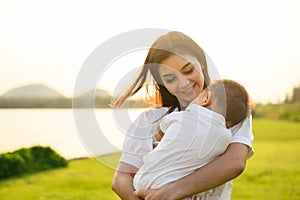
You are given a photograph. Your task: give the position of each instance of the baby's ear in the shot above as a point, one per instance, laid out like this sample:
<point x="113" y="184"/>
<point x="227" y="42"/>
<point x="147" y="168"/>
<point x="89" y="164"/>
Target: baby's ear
<point x="207" y="100"/>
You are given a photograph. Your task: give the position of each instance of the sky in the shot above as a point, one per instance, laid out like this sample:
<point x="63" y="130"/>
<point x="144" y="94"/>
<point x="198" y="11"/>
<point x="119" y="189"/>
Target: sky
<point x="256" y="43"/>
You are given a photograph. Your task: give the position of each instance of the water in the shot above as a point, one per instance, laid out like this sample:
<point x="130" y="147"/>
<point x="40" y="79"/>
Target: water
<point x="56" y="128"/>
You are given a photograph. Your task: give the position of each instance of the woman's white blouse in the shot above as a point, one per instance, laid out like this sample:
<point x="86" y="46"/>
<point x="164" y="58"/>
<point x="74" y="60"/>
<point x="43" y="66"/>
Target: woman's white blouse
<point x="139" y="138"/>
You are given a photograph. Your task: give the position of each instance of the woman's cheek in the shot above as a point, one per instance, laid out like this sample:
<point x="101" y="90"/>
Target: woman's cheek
<point x="172" y="91"/>
<point x="170" y="88"/>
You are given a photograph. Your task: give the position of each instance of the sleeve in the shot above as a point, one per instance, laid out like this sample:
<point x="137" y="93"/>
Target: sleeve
<point x="138" y="139"/>
<point x="242" y="133"/>
<point x="164" y="124"/>
<point x="169" y="120"/>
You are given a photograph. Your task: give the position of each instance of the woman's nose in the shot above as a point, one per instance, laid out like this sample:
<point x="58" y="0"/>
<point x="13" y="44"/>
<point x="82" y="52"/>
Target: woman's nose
<point x="183" y="81"/>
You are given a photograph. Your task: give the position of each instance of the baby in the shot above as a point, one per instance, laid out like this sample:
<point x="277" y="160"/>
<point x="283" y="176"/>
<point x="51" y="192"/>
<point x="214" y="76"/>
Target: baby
<point x="194" y="137"/>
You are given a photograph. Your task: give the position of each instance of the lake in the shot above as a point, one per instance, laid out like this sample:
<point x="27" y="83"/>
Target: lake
<point x="83" y="137"/>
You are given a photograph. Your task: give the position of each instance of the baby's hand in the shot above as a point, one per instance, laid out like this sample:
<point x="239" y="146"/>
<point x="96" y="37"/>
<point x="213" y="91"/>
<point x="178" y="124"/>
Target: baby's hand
<point x="159" y="135"/>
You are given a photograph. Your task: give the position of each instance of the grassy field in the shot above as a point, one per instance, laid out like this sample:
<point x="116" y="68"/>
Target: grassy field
<point x="273" y="173"/>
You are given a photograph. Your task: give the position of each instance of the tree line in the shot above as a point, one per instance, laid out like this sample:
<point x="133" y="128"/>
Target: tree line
<point x="295" y="97"/>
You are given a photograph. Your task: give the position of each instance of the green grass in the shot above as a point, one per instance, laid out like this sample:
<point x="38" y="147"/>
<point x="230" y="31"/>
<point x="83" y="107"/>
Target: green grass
<point x="273" y="172"/>
<point x="86" y="179"/>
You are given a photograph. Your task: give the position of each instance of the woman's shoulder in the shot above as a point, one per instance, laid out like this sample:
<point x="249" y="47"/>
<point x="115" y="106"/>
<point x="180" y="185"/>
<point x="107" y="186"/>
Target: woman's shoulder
<point x="154" y="114"/>
<point x="244" y="126"/>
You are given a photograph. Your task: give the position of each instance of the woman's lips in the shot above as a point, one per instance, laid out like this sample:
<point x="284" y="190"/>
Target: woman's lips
<point x="189" y="90"/>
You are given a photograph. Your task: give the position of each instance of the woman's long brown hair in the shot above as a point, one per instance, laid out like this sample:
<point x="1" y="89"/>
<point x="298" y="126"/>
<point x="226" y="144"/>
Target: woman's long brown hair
<point x="172" y="43"/>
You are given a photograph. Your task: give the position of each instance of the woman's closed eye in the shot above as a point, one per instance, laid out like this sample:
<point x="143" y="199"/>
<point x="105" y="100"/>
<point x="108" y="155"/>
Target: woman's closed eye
<point x="170" y="79"/>
<point x="188" y="70"/>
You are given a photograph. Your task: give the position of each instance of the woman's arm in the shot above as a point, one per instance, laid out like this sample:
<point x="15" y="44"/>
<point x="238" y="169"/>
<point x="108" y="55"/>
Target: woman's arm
<point x="226" y="167"/>
<point x="122" y="182"/>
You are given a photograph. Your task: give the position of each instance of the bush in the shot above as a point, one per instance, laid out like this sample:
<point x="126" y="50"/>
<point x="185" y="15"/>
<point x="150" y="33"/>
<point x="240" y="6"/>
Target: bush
<point x="292" y="115"/>
<point x="11" y="165"/>
<point x="29" y="160"/>
<point x="287" y="111"/>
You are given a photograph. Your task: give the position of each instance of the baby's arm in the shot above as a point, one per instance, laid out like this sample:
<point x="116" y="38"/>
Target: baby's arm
<point x="166" y="122"/>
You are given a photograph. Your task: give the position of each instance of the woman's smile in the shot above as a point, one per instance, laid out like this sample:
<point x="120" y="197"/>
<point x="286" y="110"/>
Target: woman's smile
<point x="189" y="90"/>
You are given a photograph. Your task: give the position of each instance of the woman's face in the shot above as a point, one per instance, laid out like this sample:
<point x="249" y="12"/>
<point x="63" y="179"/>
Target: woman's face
<point x="182" y="77"/>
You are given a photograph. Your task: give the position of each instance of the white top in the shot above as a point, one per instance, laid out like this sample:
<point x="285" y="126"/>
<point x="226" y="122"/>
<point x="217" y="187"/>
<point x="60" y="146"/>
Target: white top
<point x="140" y="138"/>
<point x="192" y="138"/>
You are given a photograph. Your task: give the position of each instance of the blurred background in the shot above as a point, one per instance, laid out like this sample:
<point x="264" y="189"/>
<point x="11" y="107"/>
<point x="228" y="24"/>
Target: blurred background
<point x="43" y="45"/>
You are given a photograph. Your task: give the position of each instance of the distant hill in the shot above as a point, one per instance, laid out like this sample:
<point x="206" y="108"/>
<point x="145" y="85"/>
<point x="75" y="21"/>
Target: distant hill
<point x="99" y="93"/>
<point x="98" y="98"/>
<point x="42" y="96"/>
<point x="36" y="91"/>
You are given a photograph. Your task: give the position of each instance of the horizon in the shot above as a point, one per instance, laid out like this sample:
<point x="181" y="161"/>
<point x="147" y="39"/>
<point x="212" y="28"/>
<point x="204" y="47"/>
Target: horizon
<point x="48" y="86"/>
<point x="259" y="51"/>
<point x="105" y="90"/>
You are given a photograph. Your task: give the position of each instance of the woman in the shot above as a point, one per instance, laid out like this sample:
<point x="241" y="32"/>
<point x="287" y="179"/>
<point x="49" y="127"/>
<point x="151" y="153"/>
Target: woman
<point x="179" y="69"/>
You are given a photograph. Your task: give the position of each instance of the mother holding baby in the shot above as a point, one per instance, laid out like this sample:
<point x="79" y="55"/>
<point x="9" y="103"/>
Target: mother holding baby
<point x="177" y="67"/>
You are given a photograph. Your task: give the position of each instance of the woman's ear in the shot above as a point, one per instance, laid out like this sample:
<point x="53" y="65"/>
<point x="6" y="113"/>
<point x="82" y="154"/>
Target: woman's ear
<point x="207" y="100"/>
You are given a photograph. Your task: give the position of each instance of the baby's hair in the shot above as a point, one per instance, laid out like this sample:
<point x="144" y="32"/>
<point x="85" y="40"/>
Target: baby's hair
<point x="232" y="100"/>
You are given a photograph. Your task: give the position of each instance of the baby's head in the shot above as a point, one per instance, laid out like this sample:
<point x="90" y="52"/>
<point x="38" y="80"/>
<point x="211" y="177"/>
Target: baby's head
<point x="227" y="98"/>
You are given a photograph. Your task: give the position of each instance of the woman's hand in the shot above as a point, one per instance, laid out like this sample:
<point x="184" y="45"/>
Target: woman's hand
<point x="166" y="192"/>
<point x="150" y="195"/>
